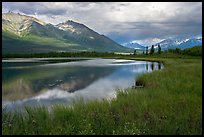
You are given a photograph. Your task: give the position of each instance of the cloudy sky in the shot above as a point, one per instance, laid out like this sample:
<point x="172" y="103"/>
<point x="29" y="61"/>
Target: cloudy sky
<point x="142" y="22"/>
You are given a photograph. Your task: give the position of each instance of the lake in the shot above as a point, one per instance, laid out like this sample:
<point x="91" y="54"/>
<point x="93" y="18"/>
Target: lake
<point x="49" y="81"/>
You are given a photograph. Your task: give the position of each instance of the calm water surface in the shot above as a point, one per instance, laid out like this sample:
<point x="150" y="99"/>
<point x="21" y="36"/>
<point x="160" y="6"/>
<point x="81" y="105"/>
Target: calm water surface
<point x="35" y="82"/>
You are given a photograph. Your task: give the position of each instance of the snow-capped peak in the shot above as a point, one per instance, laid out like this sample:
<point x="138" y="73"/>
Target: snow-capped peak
<point x="179" y="43"/>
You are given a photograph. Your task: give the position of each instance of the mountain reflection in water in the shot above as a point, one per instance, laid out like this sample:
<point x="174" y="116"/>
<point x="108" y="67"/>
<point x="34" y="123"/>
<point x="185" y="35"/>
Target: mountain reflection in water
<point x="60" y="83"/>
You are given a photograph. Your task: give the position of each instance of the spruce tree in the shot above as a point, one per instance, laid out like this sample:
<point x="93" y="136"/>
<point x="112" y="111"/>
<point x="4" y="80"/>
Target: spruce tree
<point x="152" y="50"/>
<point x="135" y="52"/>
<point x="147" y="50"/>
<point x="159" y="49"/>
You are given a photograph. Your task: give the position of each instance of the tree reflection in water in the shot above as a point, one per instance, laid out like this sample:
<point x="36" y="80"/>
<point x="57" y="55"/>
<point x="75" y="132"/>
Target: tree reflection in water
<point x="61" y="83"/>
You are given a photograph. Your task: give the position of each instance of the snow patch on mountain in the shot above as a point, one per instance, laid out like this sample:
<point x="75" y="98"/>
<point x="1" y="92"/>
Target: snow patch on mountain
<point x="133" y="45"/>
<point x="179" y="43"/>
<point x="170" y="43"/>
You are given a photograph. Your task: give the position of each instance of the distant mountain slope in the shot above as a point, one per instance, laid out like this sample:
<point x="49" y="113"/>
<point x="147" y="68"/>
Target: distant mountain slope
<point x="134" y="45"/>
<point x="87" y="37"/>
<point x="167" y="44"/>
<point x="191" y="43"/>
<point x="179" y="43"/>
<point x="171" y="43"/>
<point x="25" y="34"/>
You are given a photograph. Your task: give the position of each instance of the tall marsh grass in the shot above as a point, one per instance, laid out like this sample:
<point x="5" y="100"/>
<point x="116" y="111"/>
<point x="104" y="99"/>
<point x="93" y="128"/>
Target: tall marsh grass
<point x="169" y="104"/>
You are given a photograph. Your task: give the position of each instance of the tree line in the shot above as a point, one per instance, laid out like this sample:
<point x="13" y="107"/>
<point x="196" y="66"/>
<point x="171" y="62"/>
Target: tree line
<point x="194" y="51"/>
<point x="60" y="54"/>
<point x="152" y="50"/>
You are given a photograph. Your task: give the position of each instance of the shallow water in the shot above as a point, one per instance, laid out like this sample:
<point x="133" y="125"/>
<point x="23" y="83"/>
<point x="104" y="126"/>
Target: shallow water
<point x="34" y="82"/>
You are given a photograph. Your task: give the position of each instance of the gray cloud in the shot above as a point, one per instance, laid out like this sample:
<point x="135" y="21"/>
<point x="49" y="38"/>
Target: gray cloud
<point x="121" y="21"/>
<point x="35" y="7"/>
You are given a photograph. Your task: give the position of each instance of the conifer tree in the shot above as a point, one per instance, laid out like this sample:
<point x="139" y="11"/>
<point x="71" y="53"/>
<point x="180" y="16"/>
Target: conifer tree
<point x="147" y="50"/>
<point x="159" y="49"/>
<point x="135" y="52"/>
<point x="152" y="50"/>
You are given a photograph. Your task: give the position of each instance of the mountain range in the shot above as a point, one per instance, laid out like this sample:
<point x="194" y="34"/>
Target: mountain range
<point x="169" y="44"/>
<point x="133" y="45"/>
<point x="26" y="34"/>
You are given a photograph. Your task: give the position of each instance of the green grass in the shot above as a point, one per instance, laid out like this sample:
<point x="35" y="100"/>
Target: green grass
<point x="169" y="104"/>
<point x="32" y="43"/>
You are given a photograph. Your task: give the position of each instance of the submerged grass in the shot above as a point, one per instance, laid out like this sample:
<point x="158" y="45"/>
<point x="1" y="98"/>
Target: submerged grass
<point x="169" y="104"/>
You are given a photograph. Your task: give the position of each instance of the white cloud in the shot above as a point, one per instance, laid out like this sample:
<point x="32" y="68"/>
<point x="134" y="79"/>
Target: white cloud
<point x="121" y="21"/>
<point x="149" y="41"/>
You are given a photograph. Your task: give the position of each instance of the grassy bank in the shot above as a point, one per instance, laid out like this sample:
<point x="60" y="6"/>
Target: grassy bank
<point x="170" y="103"/>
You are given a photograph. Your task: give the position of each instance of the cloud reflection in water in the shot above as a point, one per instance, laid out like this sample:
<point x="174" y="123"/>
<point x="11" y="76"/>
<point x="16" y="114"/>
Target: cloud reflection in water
<point x="98" y="85"/>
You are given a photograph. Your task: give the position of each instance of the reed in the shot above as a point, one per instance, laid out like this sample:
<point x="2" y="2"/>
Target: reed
<point x="169" y="104"/>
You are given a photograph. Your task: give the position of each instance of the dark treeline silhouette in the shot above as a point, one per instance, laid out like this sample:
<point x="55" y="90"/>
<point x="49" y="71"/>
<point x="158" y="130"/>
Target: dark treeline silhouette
<point x="152" y="50"/>
<point x="159" y="49"/>
<point x="61" y="54"/>
<point x="146" y="50"/>
<point x="135" y="51"/>
<point x="194" y="51"/>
